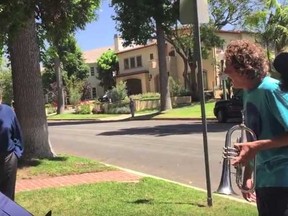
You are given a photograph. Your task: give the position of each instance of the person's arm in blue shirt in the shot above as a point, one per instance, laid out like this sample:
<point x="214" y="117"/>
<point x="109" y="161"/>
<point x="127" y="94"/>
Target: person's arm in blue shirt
<point x="17" y="137"/>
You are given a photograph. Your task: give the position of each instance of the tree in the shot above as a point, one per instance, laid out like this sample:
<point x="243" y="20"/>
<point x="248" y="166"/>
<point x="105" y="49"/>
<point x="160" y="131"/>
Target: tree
<point x="6" y="84"/>
<point x="222" y="13"/>
<point x="141" y="20"/>
<point x="18" y="31"/>
<point x="57" y="30"/>
<point x="28" y="91"/>
<point x="270" y="26"/>
<point x="72" y="61"/>
<point x="183" y="41"/>
<point x="232" y="12"/>
<point x="107" y="64"/>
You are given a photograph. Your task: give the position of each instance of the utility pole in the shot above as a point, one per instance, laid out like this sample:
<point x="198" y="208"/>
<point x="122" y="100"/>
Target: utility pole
<point x="189" y="7"/>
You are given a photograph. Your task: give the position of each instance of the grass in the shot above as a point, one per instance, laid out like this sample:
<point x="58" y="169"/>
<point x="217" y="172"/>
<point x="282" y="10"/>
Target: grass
<point x="58" y="166"/>
<point x="193" y="111"/>
<point x="148" y="197"/>
<point x="67" y="116"/>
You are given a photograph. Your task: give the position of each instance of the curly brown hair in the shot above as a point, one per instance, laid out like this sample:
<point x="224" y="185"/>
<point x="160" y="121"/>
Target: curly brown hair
<point x="247" y="58"/>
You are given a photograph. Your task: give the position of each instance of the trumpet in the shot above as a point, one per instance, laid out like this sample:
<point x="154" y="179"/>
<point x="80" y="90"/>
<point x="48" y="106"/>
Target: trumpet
<point x="225" y="186"/>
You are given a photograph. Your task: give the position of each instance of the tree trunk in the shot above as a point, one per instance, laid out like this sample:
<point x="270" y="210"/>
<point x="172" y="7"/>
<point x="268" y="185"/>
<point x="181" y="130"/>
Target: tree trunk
<point x="60" y="92"/>
<point x="193" y="81"/>
<point x="165" y="99"/>
<point x="28" y="91"/>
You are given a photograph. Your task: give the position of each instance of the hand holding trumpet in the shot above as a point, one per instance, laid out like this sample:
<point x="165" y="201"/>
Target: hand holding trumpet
<point x="245" y="152"/>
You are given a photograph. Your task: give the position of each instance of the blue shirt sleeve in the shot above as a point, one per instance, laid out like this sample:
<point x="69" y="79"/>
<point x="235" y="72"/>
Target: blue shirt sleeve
<point x="278" y="104"/>
<point x="17" y="137"/>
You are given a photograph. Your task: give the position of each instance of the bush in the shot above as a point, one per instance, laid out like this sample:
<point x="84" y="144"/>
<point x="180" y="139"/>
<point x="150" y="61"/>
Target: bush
<point x="50" y="109"/>
<point x="74" y="96"/>
<point x="147" y="96"/>
<point x="83" y="109"/>
<point x="118" y="93"/>
<point x="118" y="108"/>
<point x="97" y="110"/>
<point x="176" y="89"/>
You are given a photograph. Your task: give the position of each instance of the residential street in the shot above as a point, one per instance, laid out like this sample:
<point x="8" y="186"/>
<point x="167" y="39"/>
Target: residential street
<point x="167" y="149"/>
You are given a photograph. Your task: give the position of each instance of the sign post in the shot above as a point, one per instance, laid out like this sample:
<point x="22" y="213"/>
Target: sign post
<point x="194" y="7"/>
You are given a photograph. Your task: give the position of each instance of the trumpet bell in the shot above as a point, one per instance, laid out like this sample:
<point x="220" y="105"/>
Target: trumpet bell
<point x="225" y="186"/>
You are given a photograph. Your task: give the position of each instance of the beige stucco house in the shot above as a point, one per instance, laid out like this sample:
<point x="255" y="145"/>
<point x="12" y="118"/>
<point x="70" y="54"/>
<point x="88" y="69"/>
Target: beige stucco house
<point x="90" y="58"/>
<point x="138" y="65"/>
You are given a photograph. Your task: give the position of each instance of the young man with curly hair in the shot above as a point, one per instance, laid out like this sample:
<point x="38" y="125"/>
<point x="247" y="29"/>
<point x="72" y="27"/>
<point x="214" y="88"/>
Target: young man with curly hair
<point x="266" y="110"/>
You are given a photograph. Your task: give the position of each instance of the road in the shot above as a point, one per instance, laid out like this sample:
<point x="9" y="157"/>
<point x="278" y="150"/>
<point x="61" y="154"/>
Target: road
<point x="167" y="149"/>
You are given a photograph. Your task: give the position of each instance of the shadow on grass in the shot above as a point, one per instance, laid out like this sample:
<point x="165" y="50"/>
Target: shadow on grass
<point x="152" y="202"/>
<point x="36" y="162"/>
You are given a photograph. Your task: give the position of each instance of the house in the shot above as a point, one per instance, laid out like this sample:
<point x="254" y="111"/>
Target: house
<point x="90" y="57"/>
<point x="138" y="64"/>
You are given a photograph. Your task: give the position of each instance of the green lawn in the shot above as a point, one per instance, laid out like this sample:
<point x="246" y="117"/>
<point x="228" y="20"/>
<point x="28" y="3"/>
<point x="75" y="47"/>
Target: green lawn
<point x="148" y="197"/>
<point x="67" y="116"/>
<point x="193" y="111"/>
<point x="61" y="165"/>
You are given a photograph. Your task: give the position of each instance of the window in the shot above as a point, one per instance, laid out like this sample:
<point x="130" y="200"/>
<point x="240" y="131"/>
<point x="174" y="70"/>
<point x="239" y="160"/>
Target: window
<point x="132" y="62"/>
<point x="139" y="61"/>
<point x="151" y="56"/>
<point x="126" y="63"/>
<point x="92" y="71"/>
<point x="93" y="92"/>
<point x="172" y="53"/>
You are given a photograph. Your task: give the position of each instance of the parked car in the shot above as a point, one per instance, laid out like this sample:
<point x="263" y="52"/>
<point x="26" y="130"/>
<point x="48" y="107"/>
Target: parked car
<point x="104" y="98"/>
<point x="228" y="109"/>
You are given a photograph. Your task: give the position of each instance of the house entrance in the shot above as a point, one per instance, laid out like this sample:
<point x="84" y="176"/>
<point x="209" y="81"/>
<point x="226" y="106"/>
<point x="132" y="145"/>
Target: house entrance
<point x="134" y="86"/>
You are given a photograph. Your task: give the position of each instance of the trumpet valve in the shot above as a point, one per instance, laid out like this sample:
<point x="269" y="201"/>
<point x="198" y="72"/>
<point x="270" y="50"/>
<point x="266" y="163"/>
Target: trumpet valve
<point x="230" y="152"/>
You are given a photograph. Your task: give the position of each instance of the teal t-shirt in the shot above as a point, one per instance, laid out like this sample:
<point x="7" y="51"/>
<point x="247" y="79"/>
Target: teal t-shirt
<point x="266" y="109"/>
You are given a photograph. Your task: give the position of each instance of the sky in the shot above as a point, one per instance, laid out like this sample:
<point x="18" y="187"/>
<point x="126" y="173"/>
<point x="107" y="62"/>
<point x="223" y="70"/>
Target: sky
<point x="99" y="33"/>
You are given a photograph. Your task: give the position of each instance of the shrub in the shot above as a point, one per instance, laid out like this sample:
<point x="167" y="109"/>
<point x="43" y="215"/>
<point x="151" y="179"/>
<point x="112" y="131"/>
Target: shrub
<point x="50" y="109"/>
<point x="146" y="96"/>
<point x="97" y="110"/>
<point x="118" y="93"/>
<point x="74" y="96"/>
<point x="118" y="108"/>
<point x="83" y="109"/>
<point x="176" y="89"/>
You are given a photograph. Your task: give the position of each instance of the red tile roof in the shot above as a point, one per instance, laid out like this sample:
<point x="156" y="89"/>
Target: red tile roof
<point x="90" y="56"/>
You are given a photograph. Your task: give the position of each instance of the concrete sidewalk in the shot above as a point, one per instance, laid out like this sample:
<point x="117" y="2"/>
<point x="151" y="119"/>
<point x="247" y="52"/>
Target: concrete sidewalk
<point x="85" y="178"/>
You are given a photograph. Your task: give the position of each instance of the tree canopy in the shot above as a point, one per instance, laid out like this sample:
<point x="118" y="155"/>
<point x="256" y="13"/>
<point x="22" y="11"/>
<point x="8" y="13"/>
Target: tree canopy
<point x="232" y="12"/>
<point x="71" y="58"/>
<point x="107" y="67"/>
